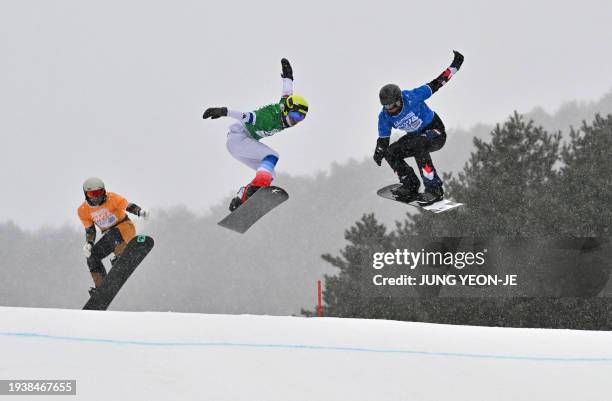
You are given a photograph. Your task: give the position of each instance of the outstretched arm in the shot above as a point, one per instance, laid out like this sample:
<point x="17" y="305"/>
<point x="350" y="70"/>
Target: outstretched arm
<point x="137" y="210"/>
<point x="447" y="73"/>
<point x="217" y="112"/>
<point x="249" y="117"/>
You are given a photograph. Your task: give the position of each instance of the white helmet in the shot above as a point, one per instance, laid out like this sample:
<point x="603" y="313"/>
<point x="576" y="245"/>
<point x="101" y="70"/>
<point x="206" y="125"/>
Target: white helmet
<point x="94" y="190"/>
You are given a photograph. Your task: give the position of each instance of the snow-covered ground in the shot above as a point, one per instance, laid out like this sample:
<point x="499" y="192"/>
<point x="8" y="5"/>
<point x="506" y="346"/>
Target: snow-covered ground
<point x="170" y="356"/>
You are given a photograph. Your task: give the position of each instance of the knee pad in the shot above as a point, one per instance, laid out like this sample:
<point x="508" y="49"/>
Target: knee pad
<point x="436" y="139"/>
<point x="432" y="133"/>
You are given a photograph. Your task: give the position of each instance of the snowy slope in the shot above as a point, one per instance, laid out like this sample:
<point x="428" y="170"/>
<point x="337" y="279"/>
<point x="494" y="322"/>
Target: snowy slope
<point x="168" y="356"/>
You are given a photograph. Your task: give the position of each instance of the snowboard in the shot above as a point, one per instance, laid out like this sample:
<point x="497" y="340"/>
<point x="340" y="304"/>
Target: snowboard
<point x="437" y="207"/>
<point x="134" y="253"/>
<point x="257" y="206"/>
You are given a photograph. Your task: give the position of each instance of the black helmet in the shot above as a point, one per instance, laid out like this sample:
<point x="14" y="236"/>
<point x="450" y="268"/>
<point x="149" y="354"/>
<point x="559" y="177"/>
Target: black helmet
<point x="390" y="96"/>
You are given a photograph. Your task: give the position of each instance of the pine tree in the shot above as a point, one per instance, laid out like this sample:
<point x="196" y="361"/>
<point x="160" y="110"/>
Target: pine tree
<point x="350" y="293"/>
<point x="506" y="186"/>
<point x="517" y="184"/>
<point x="585" y="182"/>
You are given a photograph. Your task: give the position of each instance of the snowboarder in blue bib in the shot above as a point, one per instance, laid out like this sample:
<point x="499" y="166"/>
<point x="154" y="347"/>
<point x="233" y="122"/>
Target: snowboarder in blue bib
<point x="406" y="110"/>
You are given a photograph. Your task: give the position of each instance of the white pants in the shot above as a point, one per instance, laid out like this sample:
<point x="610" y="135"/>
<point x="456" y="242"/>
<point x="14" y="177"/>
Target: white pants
<point x="244" y="148"/>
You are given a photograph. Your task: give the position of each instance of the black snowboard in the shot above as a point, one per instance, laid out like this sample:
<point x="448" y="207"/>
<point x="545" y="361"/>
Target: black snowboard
<point x="134" y="253"/>
<point x="437" y="207"/>
<point x="258" y="205"/>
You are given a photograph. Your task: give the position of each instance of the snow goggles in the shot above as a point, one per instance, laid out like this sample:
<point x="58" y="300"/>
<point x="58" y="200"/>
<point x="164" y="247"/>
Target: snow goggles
<point x="392" y="105"/>
<point x="296" y="116"/>
<point x="291" y="105"/>
<point x="96" y="193"/>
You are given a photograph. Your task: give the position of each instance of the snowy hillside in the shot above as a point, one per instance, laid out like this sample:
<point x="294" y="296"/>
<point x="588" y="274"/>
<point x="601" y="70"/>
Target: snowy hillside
<point x="169" y="356"/>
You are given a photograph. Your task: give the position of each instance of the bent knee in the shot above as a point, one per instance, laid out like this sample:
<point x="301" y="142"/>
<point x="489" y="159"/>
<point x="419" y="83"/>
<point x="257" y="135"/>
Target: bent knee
<point x="95" y="265"/>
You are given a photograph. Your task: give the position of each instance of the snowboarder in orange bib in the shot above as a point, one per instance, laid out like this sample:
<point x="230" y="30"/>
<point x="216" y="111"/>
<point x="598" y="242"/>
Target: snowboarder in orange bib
<point x="107" y="211"/>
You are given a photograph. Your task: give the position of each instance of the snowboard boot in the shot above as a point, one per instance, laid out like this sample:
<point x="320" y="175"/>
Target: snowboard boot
<point x="92" y="291"/>
<point x="405" y="193"/>
<point x="430" y="196"/>
<point x="237" y="200"/>
<point x="409" y="190"/>
<point x="244" y="193"/>
<point x="234" y="203"/>
<point x="262" y="179"/>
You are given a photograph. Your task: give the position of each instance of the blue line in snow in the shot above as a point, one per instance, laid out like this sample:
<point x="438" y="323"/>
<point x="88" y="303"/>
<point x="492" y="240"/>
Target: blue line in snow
<point x="305" y="347"/>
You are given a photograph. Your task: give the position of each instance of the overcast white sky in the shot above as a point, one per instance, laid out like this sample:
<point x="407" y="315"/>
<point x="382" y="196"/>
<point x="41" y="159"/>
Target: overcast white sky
<point x="117" y="88"/>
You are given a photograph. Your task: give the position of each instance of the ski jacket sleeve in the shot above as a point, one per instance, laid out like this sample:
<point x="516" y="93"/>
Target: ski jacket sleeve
<point x="447" y="73"/>
<point x="384" y="126"/>
<point x="133" y="208"/>
<point x="287" y="87"/>
<point x="419" y="94"/>
<point x="117" y="203"/>
<point x="88" y="223"/>
<point x="84" y="216"/>
<point x="246" y="118"/>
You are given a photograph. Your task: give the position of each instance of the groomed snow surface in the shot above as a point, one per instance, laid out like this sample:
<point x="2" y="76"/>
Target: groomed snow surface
<point x="170" y="356"/>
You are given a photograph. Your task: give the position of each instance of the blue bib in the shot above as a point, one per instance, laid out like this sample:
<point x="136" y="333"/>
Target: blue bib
<point x="415" y="114"/>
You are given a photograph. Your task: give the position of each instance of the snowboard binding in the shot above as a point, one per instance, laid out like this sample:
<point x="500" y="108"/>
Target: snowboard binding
<point x="430" y="196"/>
<point x="405" y="193"/>
<point x="244" y="193"/>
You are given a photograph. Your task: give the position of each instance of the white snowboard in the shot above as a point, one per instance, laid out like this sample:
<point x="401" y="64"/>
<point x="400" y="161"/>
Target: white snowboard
<point x="437" y="207"/>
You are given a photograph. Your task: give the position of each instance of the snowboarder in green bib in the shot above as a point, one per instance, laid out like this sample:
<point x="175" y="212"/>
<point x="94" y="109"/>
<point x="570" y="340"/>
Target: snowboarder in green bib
<point x="243" y="138"/>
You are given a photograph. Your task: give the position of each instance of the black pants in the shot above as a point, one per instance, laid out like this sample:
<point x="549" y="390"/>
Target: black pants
<point x="418" y="145"/>
<point x="104" y="247"/>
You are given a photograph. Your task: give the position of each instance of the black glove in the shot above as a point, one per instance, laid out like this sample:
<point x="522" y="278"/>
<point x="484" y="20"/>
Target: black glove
<point x="457" y="60"/>
<point x="381" y="148"/>
<point x="287" y="70"/>
<point x="215" y="112"/>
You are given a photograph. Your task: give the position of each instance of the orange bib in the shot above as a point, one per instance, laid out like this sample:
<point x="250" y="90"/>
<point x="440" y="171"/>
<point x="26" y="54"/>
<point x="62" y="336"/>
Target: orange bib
<point x="105" y="216"/>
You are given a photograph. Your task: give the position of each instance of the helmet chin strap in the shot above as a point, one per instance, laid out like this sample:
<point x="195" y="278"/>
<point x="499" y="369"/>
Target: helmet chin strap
<point x="287" y="121"/>
<point x="399" y="109"/>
